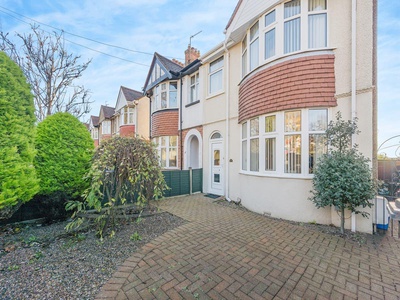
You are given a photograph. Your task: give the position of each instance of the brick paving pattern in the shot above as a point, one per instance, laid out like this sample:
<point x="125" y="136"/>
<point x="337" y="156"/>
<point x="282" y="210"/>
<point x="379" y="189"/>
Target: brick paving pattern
<point x="225" y="253"/>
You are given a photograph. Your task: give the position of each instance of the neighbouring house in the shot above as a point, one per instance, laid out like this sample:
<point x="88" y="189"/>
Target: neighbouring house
<point x="131" y="117"/>
<point x="106" y="117"/>
<point x="268" y="92"/>
<point x="94" y="129"/>
<point x="171" y="87"/>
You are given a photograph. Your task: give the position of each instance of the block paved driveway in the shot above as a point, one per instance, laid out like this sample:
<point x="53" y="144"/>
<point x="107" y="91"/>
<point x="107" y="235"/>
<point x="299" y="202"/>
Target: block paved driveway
<point x="226" y="253"/>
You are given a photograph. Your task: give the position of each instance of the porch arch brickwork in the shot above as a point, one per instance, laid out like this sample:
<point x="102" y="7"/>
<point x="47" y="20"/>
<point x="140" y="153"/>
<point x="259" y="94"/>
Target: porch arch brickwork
<point x="297" y="83"/>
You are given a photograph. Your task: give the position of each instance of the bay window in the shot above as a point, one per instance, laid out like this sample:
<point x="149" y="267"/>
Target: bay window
<point x="244" y="56"/>
<point x="292" y="30"/>
<point x="106" y="127"/>
<point x="165" y="96"/>
<point x="215" y="76"/>
<point x="284" y="143"/>
<point x="317" y="24"/>
<point x="270" y="35"/>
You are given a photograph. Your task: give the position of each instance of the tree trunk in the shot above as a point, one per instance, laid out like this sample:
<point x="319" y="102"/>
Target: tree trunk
<point x="342" y="220"/>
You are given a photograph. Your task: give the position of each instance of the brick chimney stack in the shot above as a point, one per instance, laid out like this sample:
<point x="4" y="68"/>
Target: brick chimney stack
<point x="191" y="54"/>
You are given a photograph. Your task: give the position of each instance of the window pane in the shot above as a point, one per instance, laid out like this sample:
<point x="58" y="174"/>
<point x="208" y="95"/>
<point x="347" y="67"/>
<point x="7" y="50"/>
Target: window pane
<point x="293" y="154"/>
<point x="244" y="155"/>
<point x="270" y="43"/>
<point x="254" y="54"/>
<point x="173" y="141"/>
<point x="254" y="32"/>
<point x="244" y="63"/>
<point x="270" y="18"/>
<point x="163" y="141"/>
<point x="216" y="135"/>
<point x="217" y="160"/>
<point x="215" y="65"/>
<point x="316" y="5"/>
<point x="163" y="157"/>
<point x="254" y="151"/>
<point x="216" y="82"/>
<point x="292" y="35"/>
<point x="172" y="158"/>
<point x="270" y="146"/>
<point x="293" y="121"/>
<point x="172" y="95"/>
<point x="317" y="31"/>
<point x="317" y="147"/>
<point x="317" y="119"/>
<point x="244" y="130"/>
<point x="254" y="127"/>
<point x="164" y="100"/>
<point x="292" y="8"/>
<point x="270" y="124"/>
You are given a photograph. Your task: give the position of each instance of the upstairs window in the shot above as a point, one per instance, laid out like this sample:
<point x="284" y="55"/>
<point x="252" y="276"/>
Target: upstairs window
<point x="317" y="24"/>
<point x="254" y="46"/>
<point x="194" y="88"/>
<point x="270" y="23"/>
<point x="106" y="127"/>
<point x="165" y="96"/>
<point x="215" y="75"/>
<point x="95" y="133"/>
<point x="292" y="30"/>
<point x="244" y="56"/>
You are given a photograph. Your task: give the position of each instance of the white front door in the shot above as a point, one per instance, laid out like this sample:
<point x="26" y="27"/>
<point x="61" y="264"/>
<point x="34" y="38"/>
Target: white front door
<point x="217" y="168"/>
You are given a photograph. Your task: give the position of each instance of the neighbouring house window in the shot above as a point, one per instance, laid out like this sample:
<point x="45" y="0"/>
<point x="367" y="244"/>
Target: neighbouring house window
<point x="115" y="125"/>
<point x="317" y="24"/>
<point x="106" y="127"/>
<point x="165" y="96"/>
<point x="254" y="46"/>
<point x="244" y="56"/>
<point x="284" y="143"/>
<point x="318" y="123"/>
<point x="194" y="88"/>
<point x="215" y="75"/>
<point x="95" y="133"/>
<point x="167" y="150"/>
<point x="270" y="34"/>
<point x="292" y="30"/>
<point x="131" y="115"/>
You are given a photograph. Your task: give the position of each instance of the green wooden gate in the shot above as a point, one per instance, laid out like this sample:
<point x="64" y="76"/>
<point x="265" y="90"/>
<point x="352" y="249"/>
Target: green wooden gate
<point x="183" y="182"/>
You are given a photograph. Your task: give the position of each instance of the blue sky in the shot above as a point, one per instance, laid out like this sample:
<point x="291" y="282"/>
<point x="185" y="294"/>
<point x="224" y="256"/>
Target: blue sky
<point x="165" y="26"/>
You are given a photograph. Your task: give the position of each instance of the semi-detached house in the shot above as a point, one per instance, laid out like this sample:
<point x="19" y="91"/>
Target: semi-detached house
<point x="252" y="111"/>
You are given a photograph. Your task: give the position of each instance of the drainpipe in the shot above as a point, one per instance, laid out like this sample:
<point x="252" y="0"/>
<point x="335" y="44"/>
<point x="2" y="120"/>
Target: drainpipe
<point x="353" y="81"/>
<point x="180" y="119"/>
<point x="227" y="153"/>
<point x="148" y="96"/>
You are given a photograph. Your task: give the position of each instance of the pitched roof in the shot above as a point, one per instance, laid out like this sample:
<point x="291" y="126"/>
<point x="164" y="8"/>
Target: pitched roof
<point x="168" y="64"/>
<point x="131" y="95"/>
<point x="234" y="14"/>
<point x="95" y="120"/>
<point x="107" y="111"/>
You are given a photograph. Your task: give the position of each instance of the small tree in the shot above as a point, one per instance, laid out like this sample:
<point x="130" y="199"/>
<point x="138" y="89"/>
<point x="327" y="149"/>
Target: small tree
<point x="343" y="177"/>
<point x="64" y="152"/>
<point x="51" y="72"/>
<point x="124" y="171"/>
<point x="18" y="181"/>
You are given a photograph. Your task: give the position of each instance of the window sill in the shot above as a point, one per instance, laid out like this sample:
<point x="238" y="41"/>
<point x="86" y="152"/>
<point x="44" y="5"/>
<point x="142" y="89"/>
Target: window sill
<point x="193" y="103"/>
<point x="278" y="175"/>
<point x="215" y="94"/>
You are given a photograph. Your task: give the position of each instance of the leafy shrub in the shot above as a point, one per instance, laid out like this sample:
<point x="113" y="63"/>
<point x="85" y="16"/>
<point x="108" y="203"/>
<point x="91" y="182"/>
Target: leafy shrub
<point x="64" y="152"/>
<point x="343" y="177"/>
<point x="124" y="171"/>
<point x="18" y="181"/>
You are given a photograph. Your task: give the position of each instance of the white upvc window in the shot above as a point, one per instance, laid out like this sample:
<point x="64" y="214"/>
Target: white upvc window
<point x="270" y="34"/>
<point x="106" y="127"/>
<point x="244" y="56"/>
<point x="254" y="46"/>
<point x="95" y="133"/>
<point x="292" y="30"/>
<point x="167" y="147"/>
<point x="131" y="115"/>
<point x="194" y="88"/>
<point x="165" y="96"/>
<point x="285" y="143"/>
<point x="317" y="24"/>
<point x="216" y="75"/>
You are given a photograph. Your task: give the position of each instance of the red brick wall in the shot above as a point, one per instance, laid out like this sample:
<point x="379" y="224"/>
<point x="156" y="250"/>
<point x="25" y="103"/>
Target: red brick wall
<point x="165" y="123"/>
<point x="298" y="83"/>
<point x="127" y="130"/>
